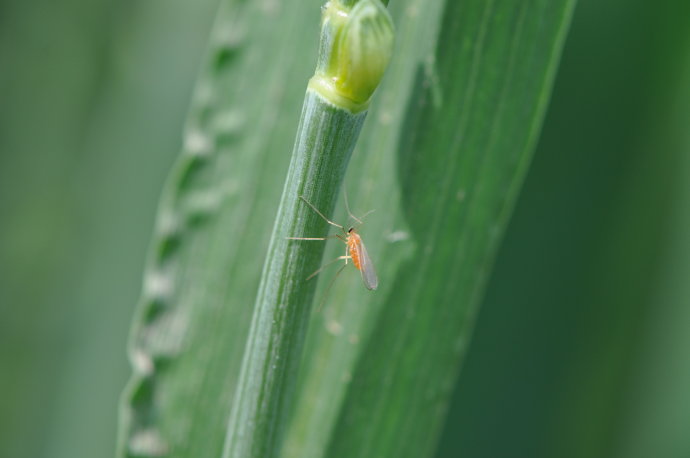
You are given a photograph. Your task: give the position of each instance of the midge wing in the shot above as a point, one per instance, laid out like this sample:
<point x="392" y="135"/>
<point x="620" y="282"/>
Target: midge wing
<point x="371" y="281"/>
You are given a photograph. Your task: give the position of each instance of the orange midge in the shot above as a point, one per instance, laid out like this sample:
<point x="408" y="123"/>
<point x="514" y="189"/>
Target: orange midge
<point x="354" y="249"/>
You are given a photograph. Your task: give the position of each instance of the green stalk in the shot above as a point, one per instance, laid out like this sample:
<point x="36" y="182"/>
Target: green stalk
<point x="356" y="43"/>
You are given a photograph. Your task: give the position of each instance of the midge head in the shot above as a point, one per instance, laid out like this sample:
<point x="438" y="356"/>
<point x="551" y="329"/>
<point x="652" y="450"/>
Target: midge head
<point x="354" y="248"/>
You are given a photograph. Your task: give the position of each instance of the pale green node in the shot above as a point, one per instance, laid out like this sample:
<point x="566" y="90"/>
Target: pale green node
<point x="356" y="47"/>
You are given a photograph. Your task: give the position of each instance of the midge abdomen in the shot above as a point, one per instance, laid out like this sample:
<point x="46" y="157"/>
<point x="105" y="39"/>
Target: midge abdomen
<point x="360" y="258"/>
<point x="353" y="244"/>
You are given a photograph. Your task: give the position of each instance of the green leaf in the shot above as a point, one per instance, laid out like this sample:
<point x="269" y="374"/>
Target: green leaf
<point x="354" y="51"/>
<point x="441" y="158"/>
<point x="462" y="152"/>
<point x="213" y="228"/>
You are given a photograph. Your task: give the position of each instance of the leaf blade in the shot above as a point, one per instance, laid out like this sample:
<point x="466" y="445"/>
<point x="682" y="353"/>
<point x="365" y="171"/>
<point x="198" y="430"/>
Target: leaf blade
<point x="213" y="226"/>
<point x="380" y="415"/>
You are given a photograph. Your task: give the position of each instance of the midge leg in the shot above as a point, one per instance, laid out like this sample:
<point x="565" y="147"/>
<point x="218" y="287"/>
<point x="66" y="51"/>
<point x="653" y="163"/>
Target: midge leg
<point x="342" y="238"/>
<point x="321" y="214"/>
<point x="339" y="258"/>
<point x="330" y="285"/>
<point x="336" y="236"/>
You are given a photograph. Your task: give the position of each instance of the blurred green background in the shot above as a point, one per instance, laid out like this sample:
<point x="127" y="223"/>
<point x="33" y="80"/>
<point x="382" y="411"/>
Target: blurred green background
<point x="582" y="345"/>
